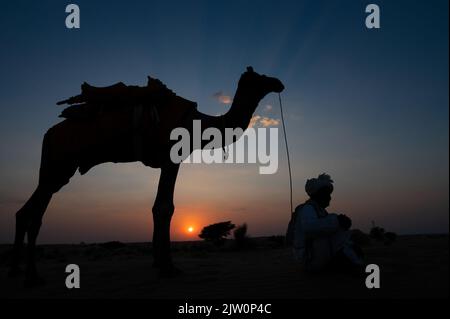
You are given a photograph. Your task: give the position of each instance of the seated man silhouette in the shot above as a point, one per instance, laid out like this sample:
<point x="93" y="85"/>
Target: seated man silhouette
<point x="322" y="240"/>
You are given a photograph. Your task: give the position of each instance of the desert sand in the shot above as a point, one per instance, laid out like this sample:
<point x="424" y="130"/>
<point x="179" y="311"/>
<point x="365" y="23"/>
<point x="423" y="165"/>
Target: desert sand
<point x="413" y="267"/>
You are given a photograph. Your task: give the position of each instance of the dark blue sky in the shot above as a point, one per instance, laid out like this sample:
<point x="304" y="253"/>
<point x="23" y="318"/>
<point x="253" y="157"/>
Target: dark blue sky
<point x="368" y="106"/>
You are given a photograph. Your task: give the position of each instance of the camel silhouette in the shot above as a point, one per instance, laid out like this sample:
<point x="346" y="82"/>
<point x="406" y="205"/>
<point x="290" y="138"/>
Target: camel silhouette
<point x="126" y="124"/>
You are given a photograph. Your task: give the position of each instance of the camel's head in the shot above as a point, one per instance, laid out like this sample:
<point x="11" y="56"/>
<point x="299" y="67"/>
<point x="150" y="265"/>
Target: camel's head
<point x="259" y="84"/>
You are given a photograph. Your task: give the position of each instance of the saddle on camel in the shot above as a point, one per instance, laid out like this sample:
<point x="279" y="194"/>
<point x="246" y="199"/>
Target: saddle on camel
<point x="117" y="118"/>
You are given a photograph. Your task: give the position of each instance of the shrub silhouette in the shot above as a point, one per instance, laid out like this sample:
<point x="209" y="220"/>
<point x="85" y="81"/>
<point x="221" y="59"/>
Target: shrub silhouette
<point x="381" y="235"/>
<point x="360" y="238"/>
<point x="390" y="238"/>
<point x="240" y="236"/>
<point x="377" y="232"/>
<point x="216" y="233"/>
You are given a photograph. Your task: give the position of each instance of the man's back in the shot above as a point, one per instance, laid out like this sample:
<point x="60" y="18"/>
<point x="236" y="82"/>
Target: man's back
<point x="312" y="235"/>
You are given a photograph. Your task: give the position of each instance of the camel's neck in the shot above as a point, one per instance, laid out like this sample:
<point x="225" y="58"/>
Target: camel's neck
<point x="238" y="116"/>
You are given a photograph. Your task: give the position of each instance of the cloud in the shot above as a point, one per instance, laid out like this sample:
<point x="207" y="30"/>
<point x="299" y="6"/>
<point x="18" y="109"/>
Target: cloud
<point x="263" y="121"/>
<point x="223" y="98"/>
<point x="254" y="120"/>
<point x="267" y="121"/>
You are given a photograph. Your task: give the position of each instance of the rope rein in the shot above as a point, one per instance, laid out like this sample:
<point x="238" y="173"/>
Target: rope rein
<point x="287" y="151"/>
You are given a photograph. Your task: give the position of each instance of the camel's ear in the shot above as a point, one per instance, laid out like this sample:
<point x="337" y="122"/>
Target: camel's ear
<point x="250" y="69"/>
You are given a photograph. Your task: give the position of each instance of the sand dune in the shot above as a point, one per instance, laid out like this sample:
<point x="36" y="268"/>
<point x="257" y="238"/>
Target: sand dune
<point x="413" y="267"/>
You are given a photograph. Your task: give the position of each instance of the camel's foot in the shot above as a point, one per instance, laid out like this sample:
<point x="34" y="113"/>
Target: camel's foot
<point x="166" y="267"/>
<point x="34" y="281"/>
<point x="15" y="271"/>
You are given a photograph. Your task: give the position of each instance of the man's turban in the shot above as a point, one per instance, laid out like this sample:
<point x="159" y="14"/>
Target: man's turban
<point x="313" y="185"/>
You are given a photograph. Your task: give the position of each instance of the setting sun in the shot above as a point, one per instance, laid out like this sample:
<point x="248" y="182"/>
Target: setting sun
<point x="190" y="229"/>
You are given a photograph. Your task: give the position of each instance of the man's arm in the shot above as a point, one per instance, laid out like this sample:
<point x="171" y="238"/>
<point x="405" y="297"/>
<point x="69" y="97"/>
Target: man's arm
<point x="313" y="226"/>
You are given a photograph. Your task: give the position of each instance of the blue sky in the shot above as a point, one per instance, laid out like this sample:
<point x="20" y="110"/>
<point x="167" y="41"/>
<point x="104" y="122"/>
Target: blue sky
<point x="370" y="107"/>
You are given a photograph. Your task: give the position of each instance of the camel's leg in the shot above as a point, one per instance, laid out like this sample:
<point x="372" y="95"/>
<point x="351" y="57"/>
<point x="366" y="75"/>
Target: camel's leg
<point x="38" y="201"/>
<point x="60" y="176"/>
<point x="53" y="175"/>
<point x="33" y="217"/>
<point x="163" y="209"/>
